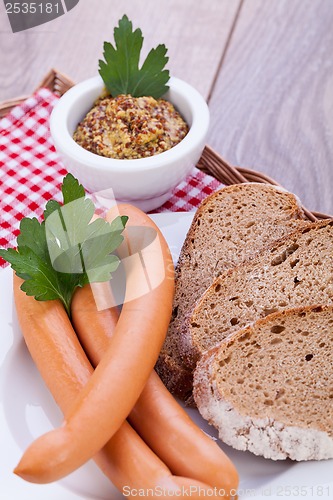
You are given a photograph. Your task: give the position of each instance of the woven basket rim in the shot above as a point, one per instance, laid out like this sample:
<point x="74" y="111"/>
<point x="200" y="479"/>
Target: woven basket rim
<point x="213" y="164"/>
<point x="54" y="80"/>
<point x="210" y="162"/>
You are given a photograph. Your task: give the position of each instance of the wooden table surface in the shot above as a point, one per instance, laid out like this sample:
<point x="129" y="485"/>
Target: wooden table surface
<point x="264" y="66"/>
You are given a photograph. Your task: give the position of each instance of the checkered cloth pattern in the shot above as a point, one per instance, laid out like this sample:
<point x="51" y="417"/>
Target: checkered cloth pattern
<point x="31" y="172"/>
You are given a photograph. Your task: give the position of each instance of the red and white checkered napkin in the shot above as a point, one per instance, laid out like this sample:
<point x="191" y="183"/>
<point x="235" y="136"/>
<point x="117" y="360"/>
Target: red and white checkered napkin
<point x="31" y="172"/>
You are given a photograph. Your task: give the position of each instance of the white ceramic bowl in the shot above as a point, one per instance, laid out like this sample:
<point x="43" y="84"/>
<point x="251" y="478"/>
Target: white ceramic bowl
<point x="144" y="182"/>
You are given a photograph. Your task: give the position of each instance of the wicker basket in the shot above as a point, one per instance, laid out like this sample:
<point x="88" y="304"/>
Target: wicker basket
<point x="54" y="80"/>
<point x="210" y="162"/>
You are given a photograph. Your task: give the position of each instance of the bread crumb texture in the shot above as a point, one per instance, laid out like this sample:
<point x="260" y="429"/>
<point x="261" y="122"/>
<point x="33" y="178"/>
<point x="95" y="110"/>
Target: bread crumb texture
<point x="268" y="388"/>
<point x="297" y="271"/>
<point x="230" y="226"/>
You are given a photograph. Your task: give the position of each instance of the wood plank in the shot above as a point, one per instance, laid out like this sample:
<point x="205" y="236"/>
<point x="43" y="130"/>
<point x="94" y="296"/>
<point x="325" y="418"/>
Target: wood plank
<point x="194" y="32"/>
<point x="272" y="105"/>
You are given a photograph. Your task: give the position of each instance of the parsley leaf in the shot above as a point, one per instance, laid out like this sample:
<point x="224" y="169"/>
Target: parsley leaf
<point x="65" y="250"/>
<point x="120" y="70"/>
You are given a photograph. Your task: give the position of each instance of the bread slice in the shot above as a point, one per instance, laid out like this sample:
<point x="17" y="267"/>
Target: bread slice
<point x="230" y="226"/>
<point x="297" y="271"/>
<point x="269" y="387"/>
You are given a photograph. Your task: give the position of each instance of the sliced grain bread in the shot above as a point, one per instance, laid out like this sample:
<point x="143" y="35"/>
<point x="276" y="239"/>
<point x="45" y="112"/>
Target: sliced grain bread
<point x="230" y="226"/>
<point x="296" y="271"/>
<point x="269" y="387"/>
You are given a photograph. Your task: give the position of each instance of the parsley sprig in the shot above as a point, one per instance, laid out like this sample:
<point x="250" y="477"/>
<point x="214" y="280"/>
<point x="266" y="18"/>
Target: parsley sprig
<point x="120" y="70"/>
<point x="66" y="250"/>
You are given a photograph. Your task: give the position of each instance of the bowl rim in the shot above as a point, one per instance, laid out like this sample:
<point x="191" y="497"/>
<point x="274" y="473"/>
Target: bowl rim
<point x="67" y="146"/>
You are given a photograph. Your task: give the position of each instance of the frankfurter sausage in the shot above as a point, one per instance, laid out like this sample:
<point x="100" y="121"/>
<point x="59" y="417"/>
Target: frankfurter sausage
<point x="126" y="460"/>
<point x="158" y="418"/>
<point x="65" y="369"/>
<point x="112" y="390"/>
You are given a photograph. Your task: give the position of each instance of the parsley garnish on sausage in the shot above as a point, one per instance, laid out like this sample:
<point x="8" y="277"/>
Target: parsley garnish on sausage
<point x="66" y="250"/>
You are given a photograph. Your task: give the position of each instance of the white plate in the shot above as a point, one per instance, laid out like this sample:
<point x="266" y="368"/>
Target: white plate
<point x="27" y="410"/>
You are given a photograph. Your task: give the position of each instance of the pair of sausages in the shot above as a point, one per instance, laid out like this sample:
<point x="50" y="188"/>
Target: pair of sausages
<point x="159" y="445"/>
